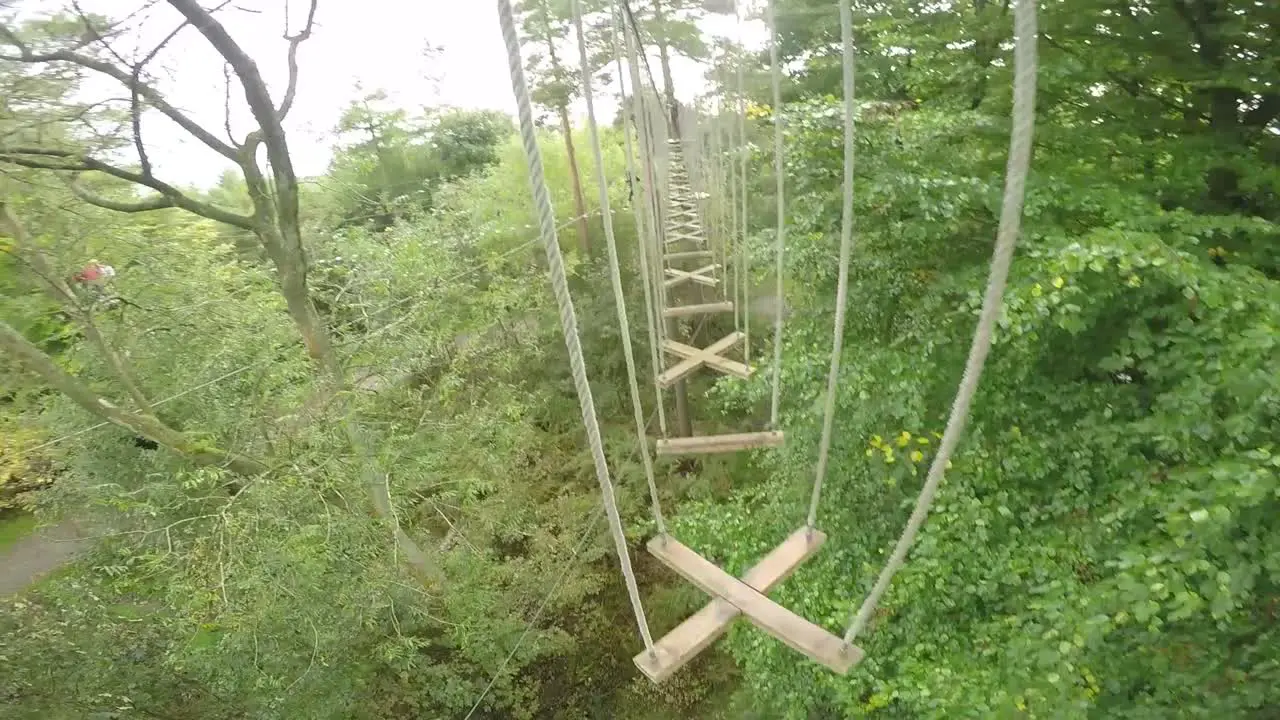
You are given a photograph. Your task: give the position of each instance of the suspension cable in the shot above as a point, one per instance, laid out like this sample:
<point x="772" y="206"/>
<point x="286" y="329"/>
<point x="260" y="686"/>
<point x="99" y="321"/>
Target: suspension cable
<point x="846" y="249"/>
<point x="568" y="317"/>
<point x="615" y="273"/>
<point x="1024" y="111"/>
<point x="781" y="237"/>
<point x="642" y="235"/>
<point x="744" y="152"/>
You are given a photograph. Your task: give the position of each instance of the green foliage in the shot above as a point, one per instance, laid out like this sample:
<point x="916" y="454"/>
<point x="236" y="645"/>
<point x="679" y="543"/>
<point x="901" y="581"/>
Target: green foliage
<point x="390" y="165"/>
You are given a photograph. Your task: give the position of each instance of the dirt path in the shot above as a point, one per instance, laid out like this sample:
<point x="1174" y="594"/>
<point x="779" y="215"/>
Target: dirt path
<point x="30" y="558"/>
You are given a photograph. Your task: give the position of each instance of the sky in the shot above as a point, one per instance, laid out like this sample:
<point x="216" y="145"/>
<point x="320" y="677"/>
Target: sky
<point x="357" y="46"/>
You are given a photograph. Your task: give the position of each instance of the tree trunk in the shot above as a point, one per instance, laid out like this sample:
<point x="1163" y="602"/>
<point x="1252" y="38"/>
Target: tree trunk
<point x="32" y="359"/>
<point x="664" y="57"/>
<point x="575" y="179"/>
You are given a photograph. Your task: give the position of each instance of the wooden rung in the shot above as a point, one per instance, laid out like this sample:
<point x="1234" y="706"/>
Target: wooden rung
<point x="701" y="357"/>
<point x="691" y="255"/>
<point x="722" y="364"/>
<point x="795" y="631"/>
<point x="707" y="444"/>
<point x="704" y="627"/>
<point x="702" y="309"/>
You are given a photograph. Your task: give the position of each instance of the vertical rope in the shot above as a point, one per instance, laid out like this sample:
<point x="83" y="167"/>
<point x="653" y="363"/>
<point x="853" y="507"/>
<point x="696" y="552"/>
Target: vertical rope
<point x="744" y="154"/>
<point x="615" y="273"/>
<point x="1024" y="112"/>
<point x="846" y="249"/>
<point x="650" y="155"/>
<point x="642" y="235"/>
<point x="568" y="318"/>
<point x="781" y="238"/>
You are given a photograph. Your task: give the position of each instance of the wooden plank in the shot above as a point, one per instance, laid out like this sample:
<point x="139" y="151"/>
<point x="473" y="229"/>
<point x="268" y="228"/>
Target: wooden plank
<point x="704" y="627"/>
<point x="706" y="444"/>
<point x="701" y="309"/>
<point x="672" y="374"/>
<point x="798" y="633"/>
<point x="691" y="255"/>
<point x="722" y="364"/>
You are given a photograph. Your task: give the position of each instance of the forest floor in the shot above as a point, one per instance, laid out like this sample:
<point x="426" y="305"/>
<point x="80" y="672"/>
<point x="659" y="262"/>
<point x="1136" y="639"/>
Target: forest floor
<point x="26" y="560"/>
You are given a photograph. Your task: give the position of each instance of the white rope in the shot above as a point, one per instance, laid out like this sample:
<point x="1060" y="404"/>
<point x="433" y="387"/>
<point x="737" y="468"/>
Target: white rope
<point x="651" y="152"/>
<point x="568" y="318"/>
<point x="642" y="235"/>
<point x="781" y="238"/>
<point x="615" y="273"/>
<point x="743" y="156"/>
<point x="846" y="249"/>
<point x="1024" y="97"/>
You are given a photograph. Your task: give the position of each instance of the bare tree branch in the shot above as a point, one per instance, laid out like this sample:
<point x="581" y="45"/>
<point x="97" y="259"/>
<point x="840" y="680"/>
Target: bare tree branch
<point x="258" y="98"/>
<point x="152" y="96"/>
<point x="71" y="161"/>
<point x="294" y="42"/>
<point x="226" y="101"/>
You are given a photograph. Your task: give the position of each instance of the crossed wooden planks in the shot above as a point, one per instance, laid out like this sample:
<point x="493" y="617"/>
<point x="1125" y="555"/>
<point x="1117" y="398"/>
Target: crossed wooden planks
<point x="699" y="276"/>
<point x="695" y="358"/>
<point x="733" y="597"/>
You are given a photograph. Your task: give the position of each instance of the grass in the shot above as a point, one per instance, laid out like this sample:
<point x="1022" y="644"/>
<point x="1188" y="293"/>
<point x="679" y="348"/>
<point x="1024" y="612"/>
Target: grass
<point x="14" y="527"/>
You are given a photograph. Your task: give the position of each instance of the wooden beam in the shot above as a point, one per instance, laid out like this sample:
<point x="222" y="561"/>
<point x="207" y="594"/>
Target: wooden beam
<point x="691" y="255"/>
<point x="724" y="365"/>
<point x="707" y="444"/>
<point x="704" y="627"/>
<point x="798" y="633"/>
<point x="678" y="371"/>
<point x="702" y="309"/>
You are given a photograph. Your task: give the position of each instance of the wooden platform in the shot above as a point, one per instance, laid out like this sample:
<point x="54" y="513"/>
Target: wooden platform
<point x="701" y="309"/>
<point x="707" y="444"/>
<point x="695" y="358"/>
<point x="704" y="627"/>
<point x="798" y="633"/>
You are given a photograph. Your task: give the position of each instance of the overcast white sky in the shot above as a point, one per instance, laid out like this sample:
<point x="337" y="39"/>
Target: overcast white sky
<point x="370" y="43"/>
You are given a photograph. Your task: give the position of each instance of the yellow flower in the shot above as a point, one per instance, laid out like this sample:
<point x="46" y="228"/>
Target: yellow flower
<point x="1036" y="290"/>
<point x="876" y="441"/>
<point x="890" y="459"/>
<point x="904" y="438"/>
<point x="870" y="452"/>
<point x="1059" y="282"/>
<point x="917" y="456"/>
<point x="922" y="440"/>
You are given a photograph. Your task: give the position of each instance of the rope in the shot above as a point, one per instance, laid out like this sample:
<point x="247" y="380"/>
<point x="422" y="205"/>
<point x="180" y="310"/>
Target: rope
<point x="568" y="318"/>
<point x="615" y="274"/>
<point x="642" y="236"/>
<point x="780" y="240"/>
<point x="650" y="152"/>
<point x="1024" y="96"/>
<point x="846" y="249"/>
<point x="743" y="155"/>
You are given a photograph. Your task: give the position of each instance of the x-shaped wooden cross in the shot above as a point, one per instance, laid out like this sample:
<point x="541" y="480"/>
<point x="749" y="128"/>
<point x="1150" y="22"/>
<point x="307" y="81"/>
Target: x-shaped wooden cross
<point x="695" y="358"/>
<point x="699" y="276"/>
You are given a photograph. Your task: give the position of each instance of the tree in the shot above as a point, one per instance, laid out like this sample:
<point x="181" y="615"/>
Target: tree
<point x="546" y="26"/>
<point x="84" y="44"/>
